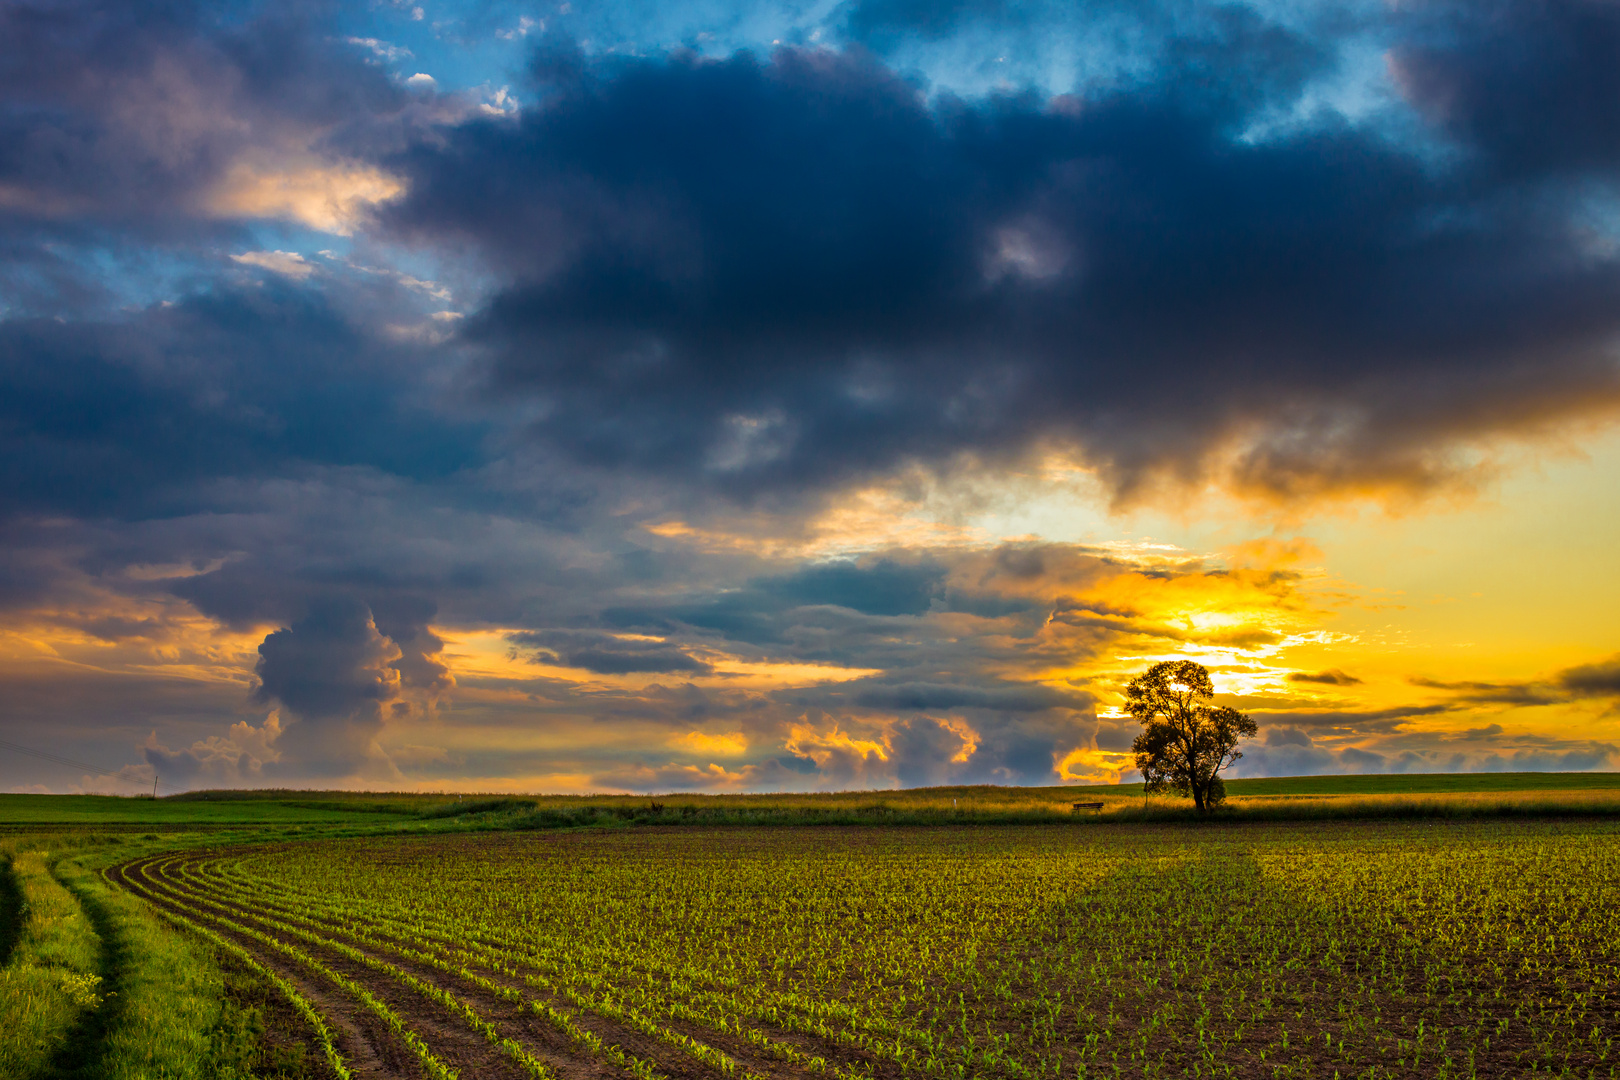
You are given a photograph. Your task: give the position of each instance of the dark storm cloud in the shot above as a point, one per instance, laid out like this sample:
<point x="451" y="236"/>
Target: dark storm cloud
<point x="1006" y="732"/>
<point x="1362" y="760"/>
<point x="1331" y="677"/>
<point x="139" y="139"/>
<point x="1599" y="680"/>
<point x="328" y="664"/>
<point x="1530" y="87"/>
<point x="333" y="672"/>
<point x="924" y="750"/>
<point x="919" y="696"/>
<point x="129" y="415"/>
<point x="104" y="703"/>
<point x="403" y="619"/>
<point x="1299" y="740"/>
<point x="1286" y="736"/>
<point x="1591" y="757"/>
<point x="883" y="587"/>
<point x="1593" y="680"/>
<point x="1483" y="692"/>
<point x="1349" y="721"/>
<point x="766" y="274"/>
<point x="768" y="611"/>
<point x="127" y="114"/>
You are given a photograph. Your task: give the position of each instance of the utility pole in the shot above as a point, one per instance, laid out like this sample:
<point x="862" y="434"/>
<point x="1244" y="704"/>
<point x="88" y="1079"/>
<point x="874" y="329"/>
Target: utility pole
<point x="154" y="783"/>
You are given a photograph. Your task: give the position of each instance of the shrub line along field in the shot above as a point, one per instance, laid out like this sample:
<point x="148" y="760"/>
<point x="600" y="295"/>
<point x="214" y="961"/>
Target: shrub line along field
<point x="424" y="941"/>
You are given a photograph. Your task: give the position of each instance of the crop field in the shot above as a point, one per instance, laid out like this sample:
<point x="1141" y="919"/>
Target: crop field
<point x="1349" y="949"/>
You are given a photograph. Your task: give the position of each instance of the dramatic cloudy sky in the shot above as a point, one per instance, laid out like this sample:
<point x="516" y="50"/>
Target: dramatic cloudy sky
<point x="818" y="394"/>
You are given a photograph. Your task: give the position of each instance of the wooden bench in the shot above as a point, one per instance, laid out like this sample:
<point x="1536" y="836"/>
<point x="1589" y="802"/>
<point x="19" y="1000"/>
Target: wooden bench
<point x="1088" y="806"/>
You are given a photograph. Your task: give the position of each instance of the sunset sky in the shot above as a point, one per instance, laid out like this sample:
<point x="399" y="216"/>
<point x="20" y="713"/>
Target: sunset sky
<point x="697" y="395"/>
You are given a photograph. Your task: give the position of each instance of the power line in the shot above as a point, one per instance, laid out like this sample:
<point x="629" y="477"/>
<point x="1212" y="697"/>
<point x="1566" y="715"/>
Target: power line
<point x="68" y="762"/>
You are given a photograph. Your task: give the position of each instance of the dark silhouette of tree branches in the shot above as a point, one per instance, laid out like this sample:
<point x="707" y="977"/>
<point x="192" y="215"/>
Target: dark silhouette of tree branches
<point x="1185" y="742"/>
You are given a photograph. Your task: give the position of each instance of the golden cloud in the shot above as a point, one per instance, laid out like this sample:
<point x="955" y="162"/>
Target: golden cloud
<point x="1086" y="766"/>
<point x="731" y="744"/>
<point x="806" y="741"/>
<point x="330" y="197"/>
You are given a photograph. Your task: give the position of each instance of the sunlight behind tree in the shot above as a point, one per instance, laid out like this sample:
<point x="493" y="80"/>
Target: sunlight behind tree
<point x="1185" y="741"/>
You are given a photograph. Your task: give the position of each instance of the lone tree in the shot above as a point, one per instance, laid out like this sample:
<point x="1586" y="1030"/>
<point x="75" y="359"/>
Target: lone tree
<point x="1185" y="741"/>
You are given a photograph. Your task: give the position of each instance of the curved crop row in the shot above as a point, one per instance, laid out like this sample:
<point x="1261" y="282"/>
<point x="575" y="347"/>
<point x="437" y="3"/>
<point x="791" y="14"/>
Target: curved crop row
<point x="560" y="1020"/>
<point x="378" y="1008"/>
<point x="516" y="961"/>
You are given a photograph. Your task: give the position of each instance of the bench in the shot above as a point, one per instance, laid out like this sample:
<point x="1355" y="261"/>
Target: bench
<point x="1088" y="806"/>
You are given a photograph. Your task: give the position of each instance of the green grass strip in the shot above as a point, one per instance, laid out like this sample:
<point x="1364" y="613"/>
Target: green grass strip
<point x="161" y="998"/>
<point x="323" y="1034"/>
<point x="52" y="980"/>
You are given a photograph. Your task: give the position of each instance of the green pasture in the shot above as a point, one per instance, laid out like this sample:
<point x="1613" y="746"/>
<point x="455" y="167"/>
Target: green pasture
<point x="94" y="985"/>
<point x="190" y="812"/>
<point x="1303" y="797"/>
<point x="1419" y="784"/>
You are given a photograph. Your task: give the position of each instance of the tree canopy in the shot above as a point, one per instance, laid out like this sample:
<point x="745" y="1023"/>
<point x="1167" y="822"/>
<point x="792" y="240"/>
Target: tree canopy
<point x="1185" y="741"/>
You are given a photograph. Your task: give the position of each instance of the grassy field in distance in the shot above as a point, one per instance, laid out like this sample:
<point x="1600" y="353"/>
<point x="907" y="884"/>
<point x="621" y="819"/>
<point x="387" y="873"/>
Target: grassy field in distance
<point x="1419" y="784"/>
<point x="279" y="808"/>
<point x="1298" y="796"/>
